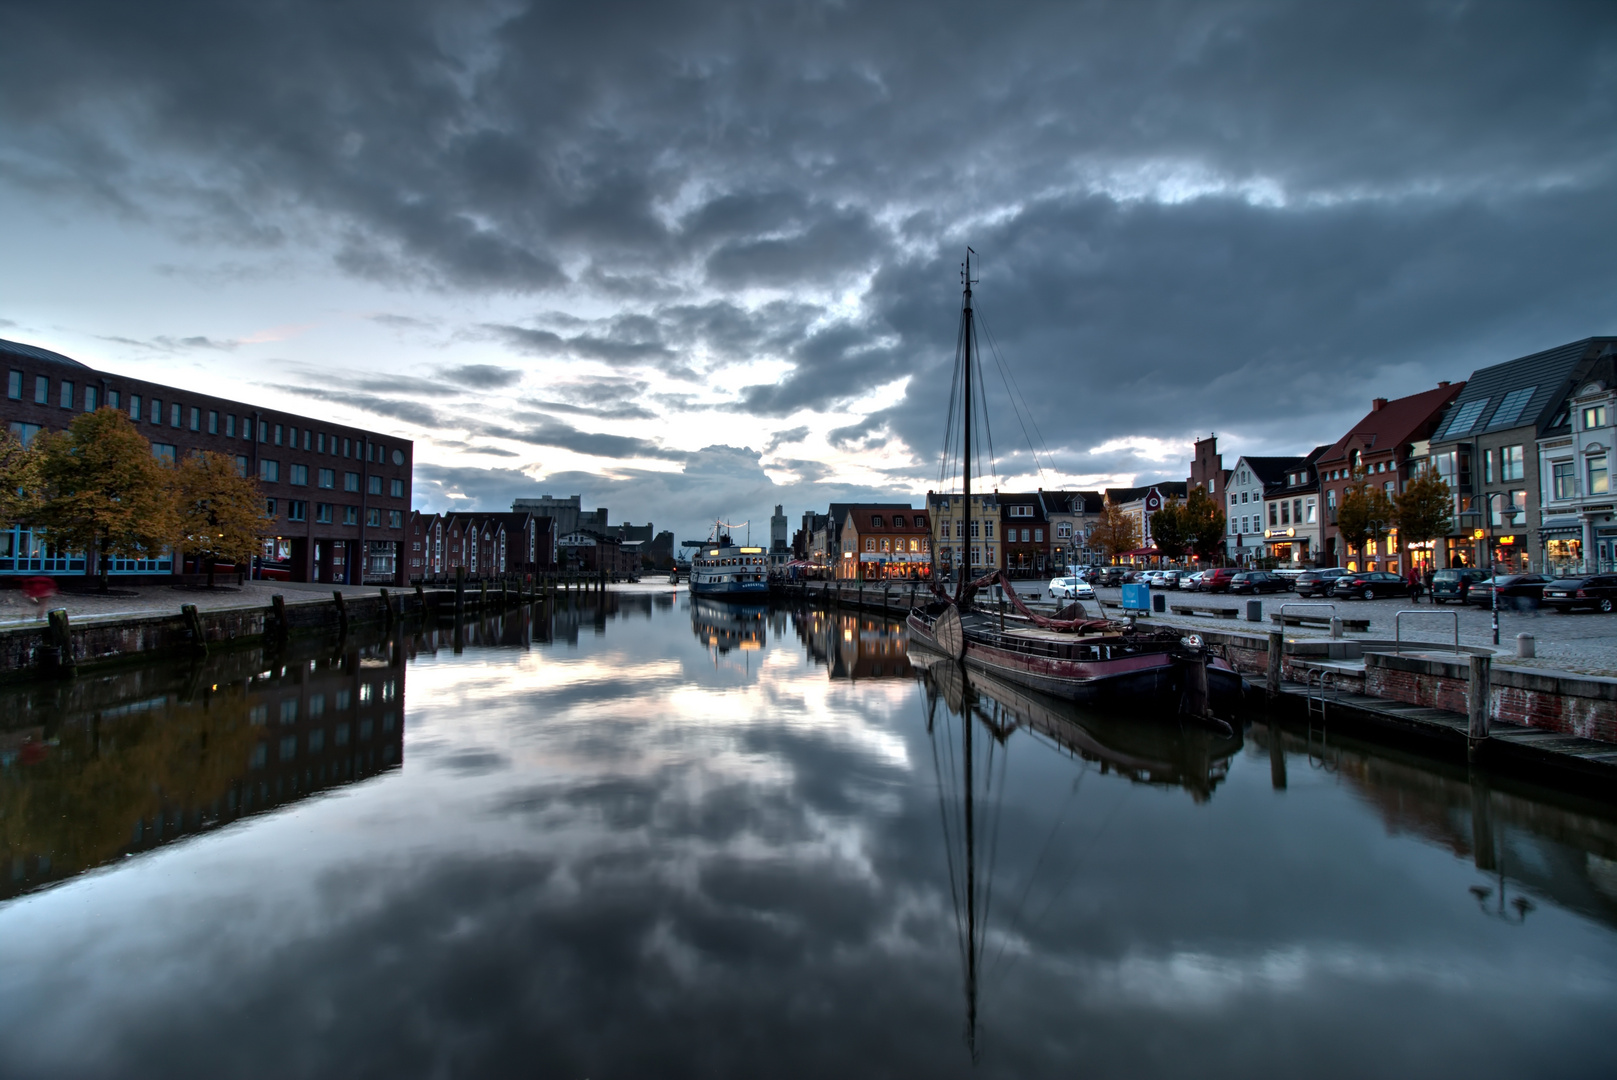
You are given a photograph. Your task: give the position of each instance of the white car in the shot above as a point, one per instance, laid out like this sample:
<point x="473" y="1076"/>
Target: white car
<point x="1071" y="588"/>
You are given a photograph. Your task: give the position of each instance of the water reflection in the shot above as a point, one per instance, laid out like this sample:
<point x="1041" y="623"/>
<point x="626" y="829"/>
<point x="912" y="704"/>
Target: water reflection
<point x="101" y="768"/>
<point x="853" y="645"/>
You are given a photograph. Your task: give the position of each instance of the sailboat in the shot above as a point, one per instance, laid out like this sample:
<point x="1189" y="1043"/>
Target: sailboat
<point x="1070" y="656"/>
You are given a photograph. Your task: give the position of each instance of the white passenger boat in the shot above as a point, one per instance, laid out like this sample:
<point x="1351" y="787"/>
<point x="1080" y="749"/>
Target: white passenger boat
<point x="723" y="570"/>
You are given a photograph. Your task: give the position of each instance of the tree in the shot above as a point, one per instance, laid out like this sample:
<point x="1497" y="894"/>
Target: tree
<point x="1204" y="523"/>
<point x="1425" y="509"/>
<point x="1115" y="532"/>
<point x="102" y="491"/>
<point x="1366" y="513"/>
<point x="1171" y="530"/>
<point x="221" y="511"/>
<point x="19" y="480"/>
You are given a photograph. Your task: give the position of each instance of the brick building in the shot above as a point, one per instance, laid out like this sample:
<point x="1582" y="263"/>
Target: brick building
<point x="335" y="497"/>
<point x="486" y="544"/>
<point x="1025" y="527"/>
<point x="885" y="542"/>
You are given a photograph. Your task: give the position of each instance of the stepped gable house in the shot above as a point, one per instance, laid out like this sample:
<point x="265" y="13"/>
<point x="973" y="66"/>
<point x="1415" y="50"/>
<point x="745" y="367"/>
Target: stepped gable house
<point x="335" y="497"/>
<point x="1488" y="451"/>
<point x="1381" y="445"/>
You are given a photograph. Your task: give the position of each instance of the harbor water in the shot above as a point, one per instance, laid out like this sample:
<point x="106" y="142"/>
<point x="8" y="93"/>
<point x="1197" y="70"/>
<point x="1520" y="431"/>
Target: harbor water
<point x="638" y="835"/>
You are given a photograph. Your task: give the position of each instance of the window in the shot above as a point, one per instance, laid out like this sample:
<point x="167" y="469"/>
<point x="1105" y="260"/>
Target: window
<point x="213" y="421"/>
<point x="1599" y="481"/>
<point x="350" y="481"/>
<point x="886" y="544"/>
<point x="1565" y="485"/>
<point x="25" y="434"/>
<point x="347" y="445"/>
<point x="350" y="515"/>
<point x="322" y="513"/>
<point x="373" y="518"/>
<point x="373" y="486"/>
<point x="113" y="401"/>
<point x="163" y="452"/>
<point x="175" y="413"/>
<point x="298" y="474"/>
<point x="90" y="403"/>
<point x="395" y="519"/>
<point x="196" y="418"/>
<point x="308" y="439"/>
<point x="1309" y="509"/>
<point x="875" y="521"/>
<point x="14" y="386"/>
<point x="1594" y="417"/>
<point x="1063" y="531"/>
<point x="297" y="510"/>
<point x="326" y="478"/>
<point x="134" y="407"/>
<point x="1233" y="499"/>
<point x="396" y="488"/>
<point x="230" y="425"/>
<point x="42" y="390"/>
<point x="1510" y="409"/>
<point x="1038" y="536"/>
<point x="1274" y="515"/>
<point x="377" y="447"/>
<point x="1511" y="462"/>
<point x="242" y="464"/>
<point x="292" y="437"/>
<point x="1021" y="511"/>
<point x="1487" y="466"/>
<point x="269" y="507"/>
<point x="1390" y="487"/>
<point x="263" y="431"/>
<point x="1244" y="496"/>
<point x="870" y="543"/>
<point x="975" y="525"/>
<point x="277" y="434"/>
<point x="1465" y="416"/>
<point x="988" y="530"/>
<point x="154" y="411"/>
<point x="320" y="443"/>
<point x="269" y="471"/>
<point x="67" y="394"/>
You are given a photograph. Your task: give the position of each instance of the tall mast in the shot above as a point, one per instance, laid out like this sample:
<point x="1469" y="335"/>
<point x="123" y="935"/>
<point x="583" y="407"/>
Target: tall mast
<point x="965" y="316"/>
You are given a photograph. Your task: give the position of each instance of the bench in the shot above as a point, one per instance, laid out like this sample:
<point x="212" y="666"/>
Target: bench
<point x="1358" y="626"/>
<point x="1206" y="609"/>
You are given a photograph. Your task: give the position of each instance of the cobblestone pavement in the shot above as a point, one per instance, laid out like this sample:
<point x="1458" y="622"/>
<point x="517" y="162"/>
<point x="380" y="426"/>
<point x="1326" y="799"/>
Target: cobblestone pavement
<point x="17" y="609"/>
<point x="1584" y="642"/>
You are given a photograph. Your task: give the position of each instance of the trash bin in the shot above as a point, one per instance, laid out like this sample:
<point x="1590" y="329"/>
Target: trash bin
<point x="1254" y="611"/>
<point x="1159" y="603"/>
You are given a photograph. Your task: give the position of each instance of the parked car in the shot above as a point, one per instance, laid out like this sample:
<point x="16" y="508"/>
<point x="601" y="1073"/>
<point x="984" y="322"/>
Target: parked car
<point x="1071" y="588"/>
<point x="1515" y="590"/>
<point x="1369" y="584"/>
<point x="1455" y="583"/>
<point x="1258" y="581"/>
<point x="1318" y="582"/>
<point x="1167" y="579"/>
<point x="1598" y="592"/>
<point x="1218" y="579"/>
<point x="1112" y="576"/>
<point x="1192" y="582"/>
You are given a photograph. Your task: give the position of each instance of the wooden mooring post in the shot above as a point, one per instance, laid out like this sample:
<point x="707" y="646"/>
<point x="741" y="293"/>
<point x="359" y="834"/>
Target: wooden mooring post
<point x="61" y="639"/>
<point x="1477" y="701"/>
<point x="278" y="618"/>
<point x="193" y="623"/>
<point x="1277" y="646"/>
<point x="342" y="612"/>
<point x="420" y="599"/>
<point x="460" y="592"/>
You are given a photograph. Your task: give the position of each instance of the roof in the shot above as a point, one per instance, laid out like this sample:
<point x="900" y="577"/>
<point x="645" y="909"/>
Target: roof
<point x="1518" y="393"/>
<point x="914" y="520"/>
<point x="17" y="350"/>
<point x="1603" y="369"/>
<point x="839" y="511"/>
<point x="1172" y="489"/>
<point x="1402" y="420"/>
<point x="1073" y="502"/>
<point x="1272" y="470"/>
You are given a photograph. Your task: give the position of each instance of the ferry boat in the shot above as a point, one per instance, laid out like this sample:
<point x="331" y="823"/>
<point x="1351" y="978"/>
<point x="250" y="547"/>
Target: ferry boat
<point x="1070" y="656"/>
<point x="724" y="570"/>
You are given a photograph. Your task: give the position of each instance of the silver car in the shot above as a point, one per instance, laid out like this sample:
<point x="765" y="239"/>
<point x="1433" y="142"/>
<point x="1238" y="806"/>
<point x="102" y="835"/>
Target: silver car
<point x="1071" y="588"/>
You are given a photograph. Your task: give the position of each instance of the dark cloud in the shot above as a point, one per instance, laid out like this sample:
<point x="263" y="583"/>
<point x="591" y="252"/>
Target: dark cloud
<point x="1249" y="217"/>
<point x="411" y="412"/>
<point x="537" y="429"/>
<point x="482" y="376"/>
<point x="782" y="438"/>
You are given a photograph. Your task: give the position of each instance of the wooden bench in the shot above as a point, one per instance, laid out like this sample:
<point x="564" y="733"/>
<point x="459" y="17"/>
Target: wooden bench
<point x="1208" y="610"/>
<point x="1356" y="625"/>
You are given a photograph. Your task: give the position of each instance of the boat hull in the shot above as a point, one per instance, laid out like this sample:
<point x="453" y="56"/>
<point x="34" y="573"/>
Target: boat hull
<point x="731" y="590"/>
<point x="1155" y="677"/>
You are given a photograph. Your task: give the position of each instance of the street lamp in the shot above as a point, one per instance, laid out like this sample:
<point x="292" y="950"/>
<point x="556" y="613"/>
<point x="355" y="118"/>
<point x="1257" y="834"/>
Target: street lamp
<point x="1493" y="574"/>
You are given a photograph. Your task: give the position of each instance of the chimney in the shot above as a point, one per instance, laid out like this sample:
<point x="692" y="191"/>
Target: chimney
<point x="1377" y="404"/>
<point x="1442" y="383"/>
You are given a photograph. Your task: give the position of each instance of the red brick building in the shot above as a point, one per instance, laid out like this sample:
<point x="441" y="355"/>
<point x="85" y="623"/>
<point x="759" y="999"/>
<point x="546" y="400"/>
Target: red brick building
<point x="1025" y="532"/>
<point x="885" y="542"/>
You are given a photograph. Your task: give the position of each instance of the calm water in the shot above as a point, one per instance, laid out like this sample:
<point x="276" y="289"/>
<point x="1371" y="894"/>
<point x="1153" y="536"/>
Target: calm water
<point x="640" y="840"/>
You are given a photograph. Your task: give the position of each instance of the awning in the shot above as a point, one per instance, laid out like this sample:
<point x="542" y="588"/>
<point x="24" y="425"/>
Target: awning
<point x="1556" y="532"/>
<point x="1141" y="553"/>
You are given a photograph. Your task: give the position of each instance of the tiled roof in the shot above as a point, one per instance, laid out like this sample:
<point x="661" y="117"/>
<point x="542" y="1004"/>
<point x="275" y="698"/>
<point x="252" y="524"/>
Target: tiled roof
<point x="1271" y="470"/>
<point x="17" y="350"/>
<point x="1399" y="421"/>
<point x="1518" y="393"/>
<point x="914" y="520"/>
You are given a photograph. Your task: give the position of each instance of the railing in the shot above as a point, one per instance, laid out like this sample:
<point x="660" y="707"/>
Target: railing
<point x="1397" y="633"/>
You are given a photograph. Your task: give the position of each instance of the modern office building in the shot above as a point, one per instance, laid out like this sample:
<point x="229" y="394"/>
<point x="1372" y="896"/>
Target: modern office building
<point x="335" y="497"/>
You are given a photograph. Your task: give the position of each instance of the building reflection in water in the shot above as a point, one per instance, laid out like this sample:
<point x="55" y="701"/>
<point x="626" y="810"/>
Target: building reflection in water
<point x="108" y="766"/>
<point x="724" y="627"/>
<point x="854" y="645"/>
<point x="1530" y="844"/>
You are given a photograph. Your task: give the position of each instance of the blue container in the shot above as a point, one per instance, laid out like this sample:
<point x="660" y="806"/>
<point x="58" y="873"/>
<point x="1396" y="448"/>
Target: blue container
<point x="1137" y="598"/>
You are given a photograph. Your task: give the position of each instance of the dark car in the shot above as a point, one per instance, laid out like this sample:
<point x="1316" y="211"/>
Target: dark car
<point x="1455" y="583"/>
<point x="1515" y="591"/>
<point x="1598" y="592"/>
<point x="1111" y="576"/>
<point x="1218" y="579"/>
<point x="1369" y="584"/>
<point x="1258" y="581"/>
<point x="1318" y="582"/>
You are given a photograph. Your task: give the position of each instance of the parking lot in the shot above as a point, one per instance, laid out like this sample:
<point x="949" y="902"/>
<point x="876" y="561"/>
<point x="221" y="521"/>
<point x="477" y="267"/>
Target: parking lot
<point x="1584" y="642"/>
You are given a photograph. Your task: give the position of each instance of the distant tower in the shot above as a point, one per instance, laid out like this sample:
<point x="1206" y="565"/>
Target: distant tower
<point x="777" y="530"/>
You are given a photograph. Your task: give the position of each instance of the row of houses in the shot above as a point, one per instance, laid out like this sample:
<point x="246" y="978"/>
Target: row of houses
<point x="499" y="544"/>
<point x="1525" y="447"/>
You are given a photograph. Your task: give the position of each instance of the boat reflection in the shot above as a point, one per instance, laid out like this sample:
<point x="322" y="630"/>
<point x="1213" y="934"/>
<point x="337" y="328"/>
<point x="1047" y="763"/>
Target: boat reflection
<point x="725" y="626"/>
<point x="105" y="767"/>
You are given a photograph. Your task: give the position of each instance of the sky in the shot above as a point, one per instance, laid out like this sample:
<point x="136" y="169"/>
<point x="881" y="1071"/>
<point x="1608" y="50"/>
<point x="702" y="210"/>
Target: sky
<point x="691" y="260"/>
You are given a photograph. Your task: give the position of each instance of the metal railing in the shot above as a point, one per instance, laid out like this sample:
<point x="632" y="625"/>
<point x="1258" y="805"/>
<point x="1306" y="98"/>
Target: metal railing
<point x="1397" y="633"/>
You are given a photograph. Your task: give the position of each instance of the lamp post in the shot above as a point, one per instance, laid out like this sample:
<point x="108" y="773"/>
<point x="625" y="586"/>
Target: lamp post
<point x="1493" y="576"/>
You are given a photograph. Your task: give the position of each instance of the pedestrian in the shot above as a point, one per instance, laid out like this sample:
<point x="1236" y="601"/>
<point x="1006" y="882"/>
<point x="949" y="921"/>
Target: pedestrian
<point x="1414" y="579"/>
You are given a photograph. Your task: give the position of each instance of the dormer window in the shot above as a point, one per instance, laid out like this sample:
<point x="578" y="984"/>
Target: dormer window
<point x="875" y="521"/>
<point x="1594" y="417"/>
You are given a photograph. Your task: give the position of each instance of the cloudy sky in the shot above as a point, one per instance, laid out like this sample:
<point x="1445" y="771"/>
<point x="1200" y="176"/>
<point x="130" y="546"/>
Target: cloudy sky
<point x="696" y="259"/>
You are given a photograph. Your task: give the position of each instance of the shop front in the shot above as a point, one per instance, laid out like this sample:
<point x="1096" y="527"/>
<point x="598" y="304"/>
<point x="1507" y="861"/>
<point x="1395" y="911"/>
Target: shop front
<point x="1286" y="547"/>
<point x="895" y="565"/>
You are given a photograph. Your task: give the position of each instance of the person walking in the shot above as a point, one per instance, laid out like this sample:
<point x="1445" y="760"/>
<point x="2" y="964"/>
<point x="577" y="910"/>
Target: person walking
<point x="1414" y="584"/>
